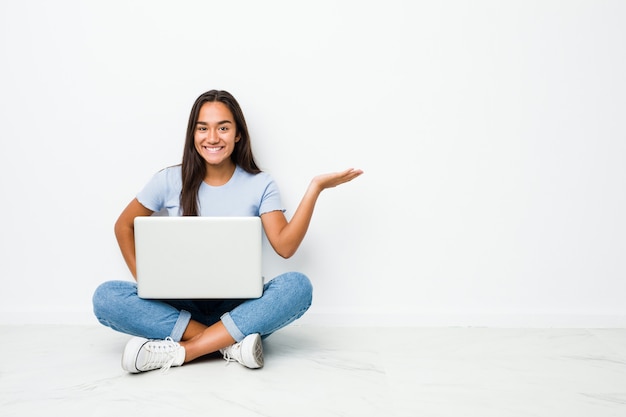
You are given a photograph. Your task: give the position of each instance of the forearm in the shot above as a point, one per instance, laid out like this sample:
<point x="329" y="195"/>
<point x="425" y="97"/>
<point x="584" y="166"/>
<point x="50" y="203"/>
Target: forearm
<point x="285" y="237"/>
<point x="293" y="233"/>
<point x="126" y="240"/>
<point x="125" y="232"/>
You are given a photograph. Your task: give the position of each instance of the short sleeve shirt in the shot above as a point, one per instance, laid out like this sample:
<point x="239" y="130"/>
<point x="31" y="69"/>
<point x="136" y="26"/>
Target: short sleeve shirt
<point x="244" y="194"/>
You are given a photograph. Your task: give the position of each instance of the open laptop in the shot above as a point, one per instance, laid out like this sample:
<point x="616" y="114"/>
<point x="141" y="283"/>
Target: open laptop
<point x="198" y="257"/>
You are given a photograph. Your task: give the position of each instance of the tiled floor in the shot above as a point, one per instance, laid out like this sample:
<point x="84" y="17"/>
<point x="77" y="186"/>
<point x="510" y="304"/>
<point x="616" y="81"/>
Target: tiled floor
<point x="325" y="371"/>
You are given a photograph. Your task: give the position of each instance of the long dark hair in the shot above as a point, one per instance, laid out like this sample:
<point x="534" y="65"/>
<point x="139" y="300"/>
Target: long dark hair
<point x="193" y="166"/>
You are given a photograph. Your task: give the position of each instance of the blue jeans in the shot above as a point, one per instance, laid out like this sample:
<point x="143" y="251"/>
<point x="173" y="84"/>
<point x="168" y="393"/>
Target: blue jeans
<point x="285" y="299"/>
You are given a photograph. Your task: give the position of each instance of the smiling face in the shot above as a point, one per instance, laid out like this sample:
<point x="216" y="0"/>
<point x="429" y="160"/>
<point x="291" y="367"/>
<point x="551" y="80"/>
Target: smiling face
<point x="215" y="135"/>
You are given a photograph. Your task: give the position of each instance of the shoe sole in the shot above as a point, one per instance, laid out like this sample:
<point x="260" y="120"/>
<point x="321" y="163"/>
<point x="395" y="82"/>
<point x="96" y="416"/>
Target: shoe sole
<point x="253" y="349"/>
<point x="129" y="358"/>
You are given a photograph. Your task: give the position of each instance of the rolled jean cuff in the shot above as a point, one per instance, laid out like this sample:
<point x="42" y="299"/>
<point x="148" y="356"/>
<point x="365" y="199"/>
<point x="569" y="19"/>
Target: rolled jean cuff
<point x="181" y="325"/>
<point x="232" y="328"/>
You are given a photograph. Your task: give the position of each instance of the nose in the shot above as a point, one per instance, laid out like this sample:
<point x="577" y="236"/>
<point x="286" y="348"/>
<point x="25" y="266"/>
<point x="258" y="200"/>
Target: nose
<point x="212" y="136"/>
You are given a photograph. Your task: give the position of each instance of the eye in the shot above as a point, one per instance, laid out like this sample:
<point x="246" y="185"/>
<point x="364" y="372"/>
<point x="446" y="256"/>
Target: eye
<point x="201" y="128"/>
<point x="223" y="129"/>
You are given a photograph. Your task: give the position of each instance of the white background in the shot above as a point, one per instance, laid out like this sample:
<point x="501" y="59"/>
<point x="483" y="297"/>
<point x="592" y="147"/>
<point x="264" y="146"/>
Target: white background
<point x="492" y="135"/>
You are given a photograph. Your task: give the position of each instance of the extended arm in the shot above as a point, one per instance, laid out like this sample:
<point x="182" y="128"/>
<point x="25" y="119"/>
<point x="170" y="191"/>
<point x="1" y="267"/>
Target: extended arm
<point x="285" y="237"/>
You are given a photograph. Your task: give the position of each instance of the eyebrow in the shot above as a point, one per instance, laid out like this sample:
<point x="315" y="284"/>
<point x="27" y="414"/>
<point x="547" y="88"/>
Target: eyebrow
<point x="219" y="123"/>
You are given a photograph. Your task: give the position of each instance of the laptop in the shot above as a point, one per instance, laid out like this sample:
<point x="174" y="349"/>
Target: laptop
<point x="198" y="257"/>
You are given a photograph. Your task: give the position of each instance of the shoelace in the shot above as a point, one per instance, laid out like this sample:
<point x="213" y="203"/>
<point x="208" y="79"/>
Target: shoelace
<point x="161" y="354"/>
<point x="228" y="357"/>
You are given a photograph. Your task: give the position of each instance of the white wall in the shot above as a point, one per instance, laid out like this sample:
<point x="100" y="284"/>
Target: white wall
<point x="492" y="135"/>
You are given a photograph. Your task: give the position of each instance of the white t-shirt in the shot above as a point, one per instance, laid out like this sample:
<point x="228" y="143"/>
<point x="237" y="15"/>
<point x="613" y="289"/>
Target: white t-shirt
<point x="244" y="194"/>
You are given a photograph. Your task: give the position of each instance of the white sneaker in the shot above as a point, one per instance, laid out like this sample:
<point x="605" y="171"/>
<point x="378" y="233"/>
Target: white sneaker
<point x="248" y="352"/>
<point x="142" y="354"/>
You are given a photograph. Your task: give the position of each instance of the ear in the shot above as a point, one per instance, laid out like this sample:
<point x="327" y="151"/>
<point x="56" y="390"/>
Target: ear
<point x="237" y="138"/>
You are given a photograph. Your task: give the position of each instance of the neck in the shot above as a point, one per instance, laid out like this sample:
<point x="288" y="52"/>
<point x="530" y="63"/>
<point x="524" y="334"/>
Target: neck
<point x="219" y="175"/>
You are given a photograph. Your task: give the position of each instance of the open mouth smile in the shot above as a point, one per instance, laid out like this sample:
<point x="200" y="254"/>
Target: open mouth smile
<point x="212" y="149"/>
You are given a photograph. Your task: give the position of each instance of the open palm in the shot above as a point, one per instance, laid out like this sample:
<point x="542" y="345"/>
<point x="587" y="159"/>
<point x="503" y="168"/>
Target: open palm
<point x="334" y="179"/>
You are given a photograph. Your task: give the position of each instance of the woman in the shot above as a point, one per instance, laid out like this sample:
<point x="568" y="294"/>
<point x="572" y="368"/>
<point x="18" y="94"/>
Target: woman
<point x="218" y="177"/>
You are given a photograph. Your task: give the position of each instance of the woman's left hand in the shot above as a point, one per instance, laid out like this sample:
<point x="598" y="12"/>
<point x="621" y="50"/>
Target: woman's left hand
<point x="334" y="179"/>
